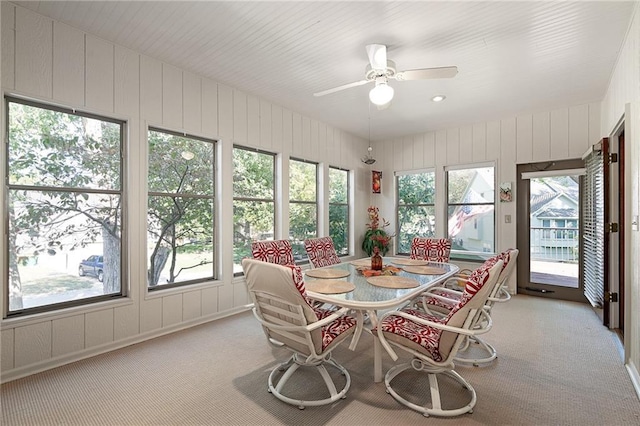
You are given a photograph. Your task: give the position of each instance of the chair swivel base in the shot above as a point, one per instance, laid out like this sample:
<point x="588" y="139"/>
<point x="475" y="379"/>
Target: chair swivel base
<point x="466" y="355"/>
<point x="292" y="365"/>
<point x="436" y="406"/>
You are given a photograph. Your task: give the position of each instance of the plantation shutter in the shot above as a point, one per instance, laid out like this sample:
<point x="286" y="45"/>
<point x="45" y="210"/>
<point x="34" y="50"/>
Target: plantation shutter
<point x="593" y="243"/>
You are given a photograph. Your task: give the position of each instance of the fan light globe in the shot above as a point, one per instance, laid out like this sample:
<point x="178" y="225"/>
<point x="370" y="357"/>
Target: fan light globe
<point x="381" y="94"/>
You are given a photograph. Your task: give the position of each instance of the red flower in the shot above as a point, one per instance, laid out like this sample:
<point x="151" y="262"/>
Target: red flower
<point x="380" y="238"/>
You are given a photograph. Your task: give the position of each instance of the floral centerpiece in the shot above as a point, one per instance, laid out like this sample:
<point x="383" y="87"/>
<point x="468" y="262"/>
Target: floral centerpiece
<point x="376" y="236"/>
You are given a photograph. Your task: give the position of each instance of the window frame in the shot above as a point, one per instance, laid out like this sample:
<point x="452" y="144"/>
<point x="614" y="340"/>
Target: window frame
<point x="314" y="203"/>
<point x="467" y="255"/>
<point x="347" y="204"/>
<point x="214" y="202"/>
<point x="397" y="175"/>
<point x="121" y="192"/>
<point x="250" y="199"/>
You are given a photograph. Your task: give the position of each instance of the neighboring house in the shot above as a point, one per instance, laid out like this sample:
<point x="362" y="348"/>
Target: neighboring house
<point x="472" y="226"/>
<point x="554" y="219"/>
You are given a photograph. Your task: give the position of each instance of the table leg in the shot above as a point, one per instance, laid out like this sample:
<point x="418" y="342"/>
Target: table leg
<point x="377" y="360"/>
<point x="377" y="349"/>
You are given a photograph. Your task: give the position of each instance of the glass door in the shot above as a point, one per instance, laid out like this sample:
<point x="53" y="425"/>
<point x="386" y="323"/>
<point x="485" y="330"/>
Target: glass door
<point x="554" y="232"/>
<point x="548" y="227"/>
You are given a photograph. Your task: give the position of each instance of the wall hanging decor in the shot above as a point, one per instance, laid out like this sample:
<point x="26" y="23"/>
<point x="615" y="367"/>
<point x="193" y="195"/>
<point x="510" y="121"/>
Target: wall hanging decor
<point x="376" y="178"/>
<point x="505" y="192"/>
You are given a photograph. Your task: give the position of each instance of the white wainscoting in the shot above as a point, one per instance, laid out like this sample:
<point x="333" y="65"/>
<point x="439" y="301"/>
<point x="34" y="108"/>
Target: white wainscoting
<point x="54" y="63"/>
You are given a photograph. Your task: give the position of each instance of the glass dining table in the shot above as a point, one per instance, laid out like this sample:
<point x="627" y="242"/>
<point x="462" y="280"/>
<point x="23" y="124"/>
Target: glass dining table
<point x="352" y="285"/>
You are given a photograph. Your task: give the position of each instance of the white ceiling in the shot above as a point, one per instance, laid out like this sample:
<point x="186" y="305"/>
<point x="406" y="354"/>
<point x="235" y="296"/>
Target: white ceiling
<point x="512" y="57"/>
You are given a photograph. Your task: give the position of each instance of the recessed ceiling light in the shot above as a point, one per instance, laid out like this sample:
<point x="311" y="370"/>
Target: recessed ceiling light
<point x="438" y="98"/>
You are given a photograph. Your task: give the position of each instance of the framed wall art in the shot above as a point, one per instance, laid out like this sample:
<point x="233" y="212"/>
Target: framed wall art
<point x="376" y="181"/>
<point x="505" y="192"/>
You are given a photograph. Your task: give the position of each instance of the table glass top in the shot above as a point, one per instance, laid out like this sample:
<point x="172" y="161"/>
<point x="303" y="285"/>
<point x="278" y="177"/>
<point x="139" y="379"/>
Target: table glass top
<point x="368" y="295"/>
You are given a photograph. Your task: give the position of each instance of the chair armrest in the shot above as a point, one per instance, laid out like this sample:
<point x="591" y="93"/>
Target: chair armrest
<point x="446" y="300"/>
<point x="449" y="291"/>
<point x="309" y="327"/>
<point x="445" y="327"/>
<point x="455" y="281"/>
<point x="358" y="331"/>
<point x="426" y="306"/>
<point x="464" y="273"/>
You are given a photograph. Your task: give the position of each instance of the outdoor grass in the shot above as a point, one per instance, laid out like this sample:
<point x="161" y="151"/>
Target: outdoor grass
<point x="56" y="282"/>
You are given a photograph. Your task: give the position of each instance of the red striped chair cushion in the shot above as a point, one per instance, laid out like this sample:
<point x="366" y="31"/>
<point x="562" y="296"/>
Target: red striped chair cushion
<point x="321" y="252"/>
<point x="431" y="249"/>
<point x="423" y="335"/>
<point x="278" y="251"/>
<point x="332" y="330"/>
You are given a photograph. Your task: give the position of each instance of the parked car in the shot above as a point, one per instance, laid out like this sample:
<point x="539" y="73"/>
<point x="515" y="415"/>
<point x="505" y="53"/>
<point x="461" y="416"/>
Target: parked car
<point x="91" y="266"/>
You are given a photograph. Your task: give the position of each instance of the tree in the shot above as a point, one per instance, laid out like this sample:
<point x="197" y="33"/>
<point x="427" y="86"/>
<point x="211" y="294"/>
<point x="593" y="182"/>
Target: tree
<point x="416" y="214"/>
<point x="254" y="200"/>
<point x="303" y="214"/>
<point x="64" y="188"/>
<point x="181" y="208"/>
<point x="65" y="191"/>
<point x="339" y="209"/>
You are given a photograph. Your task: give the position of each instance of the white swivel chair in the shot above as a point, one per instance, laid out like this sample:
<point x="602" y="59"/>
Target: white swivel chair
<point x="434" y="341"/>
<point x="289" y="321"/>
<point x="440" y="300"/>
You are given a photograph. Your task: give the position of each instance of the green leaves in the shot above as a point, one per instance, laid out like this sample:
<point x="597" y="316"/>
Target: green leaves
<point x="58" y="149"/>
<point x="376" y="238"/>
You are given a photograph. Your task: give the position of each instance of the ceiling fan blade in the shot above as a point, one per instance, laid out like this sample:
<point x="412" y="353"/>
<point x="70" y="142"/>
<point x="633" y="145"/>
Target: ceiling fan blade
<point x="427" y="73"/>
<point x="377" y="56"/>
<point x="344" y="86"/>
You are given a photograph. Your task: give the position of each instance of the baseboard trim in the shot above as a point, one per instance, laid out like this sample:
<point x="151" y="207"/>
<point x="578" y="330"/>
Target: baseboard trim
<point x="635" y="377"/>
<point x="50" y="363"/>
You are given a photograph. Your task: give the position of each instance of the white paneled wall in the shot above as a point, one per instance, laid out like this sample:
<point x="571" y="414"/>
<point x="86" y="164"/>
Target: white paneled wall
<point x="545" y="136"/>
<point x="623" y="100"/>
<point x="54" y="63"/>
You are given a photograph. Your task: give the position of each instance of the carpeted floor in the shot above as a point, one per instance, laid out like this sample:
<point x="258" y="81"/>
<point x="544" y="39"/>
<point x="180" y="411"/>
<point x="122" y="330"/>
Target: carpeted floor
<point x="557" y="365"/>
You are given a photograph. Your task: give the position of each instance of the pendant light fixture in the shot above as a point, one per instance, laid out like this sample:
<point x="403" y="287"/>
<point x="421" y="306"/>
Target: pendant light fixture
<point x="368" y="159"/>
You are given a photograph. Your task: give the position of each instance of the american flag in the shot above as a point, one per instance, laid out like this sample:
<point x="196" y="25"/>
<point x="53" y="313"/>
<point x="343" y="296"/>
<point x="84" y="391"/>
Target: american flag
<point x="465" y="212"/>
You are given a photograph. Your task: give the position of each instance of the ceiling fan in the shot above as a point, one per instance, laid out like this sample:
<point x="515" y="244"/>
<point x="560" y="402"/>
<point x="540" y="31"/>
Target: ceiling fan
<point x="380" y="70"/>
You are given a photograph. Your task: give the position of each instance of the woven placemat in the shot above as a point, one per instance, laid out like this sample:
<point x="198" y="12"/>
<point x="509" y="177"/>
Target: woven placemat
<point x="424" y="270"/>
<point x="393" y="282"/>
<point x="409" y="262"/>
<point x="327" y="273"/>
<point x="329" y="286"/>
<point x="361" y="262"/>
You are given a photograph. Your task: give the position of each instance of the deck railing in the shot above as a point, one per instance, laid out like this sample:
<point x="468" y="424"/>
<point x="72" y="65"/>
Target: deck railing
<point x="558" y="244"/>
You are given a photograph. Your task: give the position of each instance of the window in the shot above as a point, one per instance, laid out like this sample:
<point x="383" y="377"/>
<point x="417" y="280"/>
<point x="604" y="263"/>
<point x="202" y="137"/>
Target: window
<point x="253" y="201"/>
<point x="470" y="208"/>
<point x="339" y="209"/>
<point x="181" y="211"/>
<point x="415" y="207"/>
<point x="572" y="229"/>
<point x="65" y="207"/>
<point x="303" y="205"/>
